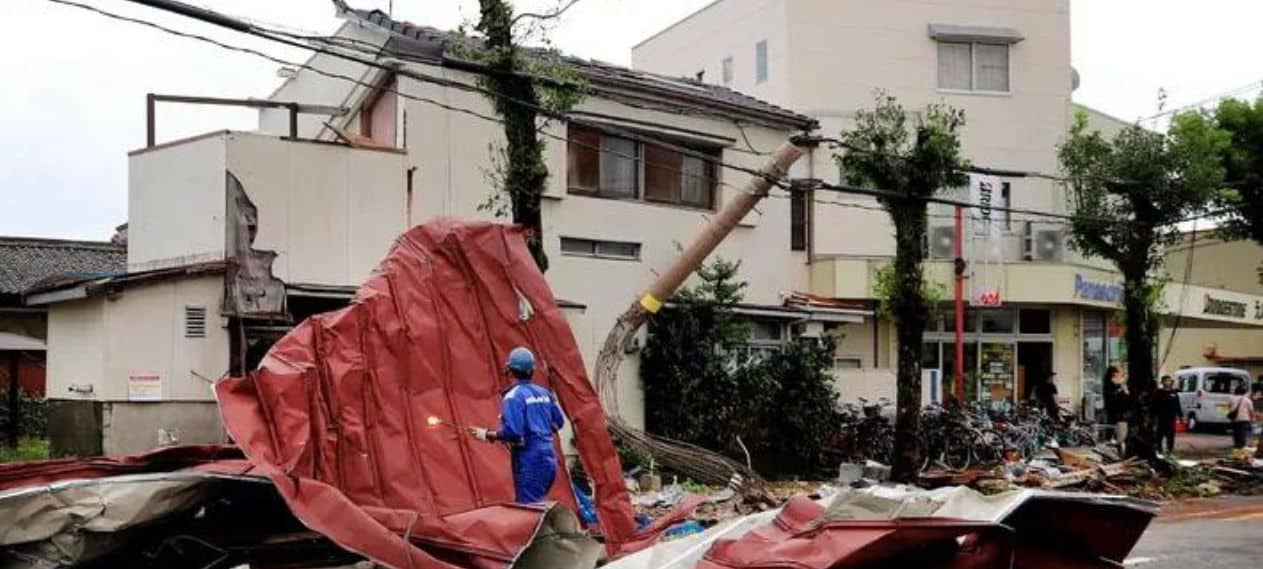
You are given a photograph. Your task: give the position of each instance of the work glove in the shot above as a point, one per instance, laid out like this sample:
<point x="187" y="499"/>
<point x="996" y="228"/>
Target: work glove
<point x="479" y="433"/>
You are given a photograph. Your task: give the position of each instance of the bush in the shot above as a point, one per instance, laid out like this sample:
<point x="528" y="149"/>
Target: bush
<point x="34" y="412"/>
<point x="782" y="407"/>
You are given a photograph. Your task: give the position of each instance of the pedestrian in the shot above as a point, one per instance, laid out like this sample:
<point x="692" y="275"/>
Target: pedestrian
<point x="1241" y="415"/>
<point x="1119" y="404"/>
<point x="1046" y="397"/>
<point x="529" y="416"/>
<point x="1165" y="408"/>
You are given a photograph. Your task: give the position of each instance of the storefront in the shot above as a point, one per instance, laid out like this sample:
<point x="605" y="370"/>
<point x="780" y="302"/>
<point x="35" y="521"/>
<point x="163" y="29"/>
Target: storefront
<point x="1056" y="320"/>
<point x="1008" y="350"/>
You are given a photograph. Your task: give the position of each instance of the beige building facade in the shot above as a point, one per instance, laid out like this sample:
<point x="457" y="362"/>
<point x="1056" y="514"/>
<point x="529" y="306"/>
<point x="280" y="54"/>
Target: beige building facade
<point x="1006" y="65"/>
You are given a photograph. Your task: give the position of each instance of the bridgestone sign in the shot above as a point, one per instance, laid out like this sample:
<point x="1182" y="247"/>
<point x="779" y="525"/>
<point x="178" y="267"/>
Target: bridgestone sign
<point x="1220" y="307"/>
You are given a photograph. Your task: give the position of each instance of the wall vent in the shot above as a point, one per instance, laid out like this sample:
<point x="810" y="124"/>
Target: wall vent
<point x="194" y="321"/>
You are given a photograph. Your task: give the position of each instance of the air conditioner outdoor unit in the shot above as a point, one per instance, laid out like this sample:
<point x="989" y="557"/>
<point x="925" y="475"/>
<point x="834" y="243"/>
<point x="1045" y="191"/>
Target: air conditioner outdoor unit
<point x="1045" y="243"/>
<point x="942" y="242"/>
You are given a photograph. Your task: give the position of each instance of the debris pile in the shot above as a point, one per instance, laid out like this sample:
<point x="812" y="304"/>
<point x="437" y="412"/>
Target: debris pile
<point x="1101" y="469"/>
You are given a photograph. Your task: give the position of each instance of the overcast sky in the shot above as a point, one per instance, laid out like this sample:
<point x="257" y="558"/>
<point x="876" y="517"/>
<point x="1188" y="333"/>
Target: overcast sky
<point x="72" y="93"/>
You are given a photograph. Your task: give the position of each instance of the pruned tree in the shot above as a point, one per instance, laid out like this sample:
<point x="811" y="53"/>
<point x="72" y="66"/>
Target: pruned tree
<point x="528" y="86"/>
<point x="913" y="161"/>
<point x="1128" y="195"/>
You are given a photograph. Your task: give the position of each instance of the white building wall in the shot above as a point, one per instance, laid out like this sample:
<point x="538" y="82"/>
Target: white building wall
<point x="328" y="211"/>
<point x="76" y="347"/>
<point x="723" y="29"/>
<point x="103" y="341"/>
<point x="175" y="203"/>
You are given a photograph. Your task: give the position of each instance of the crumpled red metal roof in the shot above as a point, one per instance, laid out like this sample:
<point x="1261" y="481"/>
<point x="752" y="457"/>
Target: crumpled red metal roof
<point x="338" y="413"/>
<point x="800" y="538"/>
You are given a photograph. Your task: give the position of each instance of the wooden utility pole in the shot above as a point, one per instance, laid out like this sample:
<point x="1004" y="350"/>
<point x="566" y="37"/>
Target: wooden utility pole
<point x="699" y="464"/>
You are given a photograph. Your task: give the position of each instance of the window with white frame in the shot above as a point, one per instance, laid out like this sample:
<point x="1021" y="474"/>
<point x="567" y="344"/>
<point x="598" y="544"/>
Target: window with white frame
<point x="973" y="66"/>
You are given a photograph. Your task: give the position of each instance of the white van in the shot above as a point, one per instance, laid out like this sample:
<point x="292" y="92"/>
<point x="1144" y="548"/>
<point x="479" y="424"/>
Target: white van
<point x="1206" y="392"/>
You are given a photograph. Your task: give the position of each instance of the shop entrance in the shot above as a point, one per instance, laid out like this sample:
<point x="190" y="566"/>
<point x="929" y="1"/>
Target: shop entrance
<point x="1034" y="365"/>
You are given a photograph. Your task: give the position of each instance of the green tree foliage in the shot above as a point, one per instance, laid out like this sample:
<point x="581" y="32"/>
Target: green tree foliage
<point x="913" y="160"/>
<point x="699" y="390"/>
<point x="1128" y="194"/>
<point x="1243" y="166"/>
<point x="522" y="85"/>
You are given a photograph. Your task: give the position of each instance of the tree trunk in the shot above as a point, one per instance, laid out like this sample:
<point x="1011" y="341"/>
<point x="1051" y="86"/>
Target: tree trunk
<point x="525" y="173"/>
<point x="1140" y="337"/>
<point x="908" y="308"/>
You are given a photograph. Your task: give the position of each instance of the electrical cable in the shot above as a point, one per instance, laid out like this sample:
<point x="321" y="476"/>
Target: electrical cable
<point x="215" y="19"/>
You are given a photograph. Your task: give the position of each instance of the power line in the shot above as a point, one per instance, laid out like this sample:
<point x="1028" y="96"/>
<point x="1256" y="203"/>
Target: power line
<point x="1199" y="104"/>
<point x="216" y="18"/>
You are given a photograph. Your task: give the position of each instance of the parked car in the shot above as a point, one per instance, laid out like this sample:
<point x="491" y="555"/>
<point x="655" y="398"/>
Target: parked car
<point x="1205" y="393"/>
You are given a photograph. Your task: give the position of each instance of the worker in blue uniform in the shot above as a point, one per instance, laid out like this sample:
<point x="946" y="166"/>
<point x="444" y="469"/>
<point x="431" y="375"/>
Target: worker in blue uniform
<point x="529" y="415"/>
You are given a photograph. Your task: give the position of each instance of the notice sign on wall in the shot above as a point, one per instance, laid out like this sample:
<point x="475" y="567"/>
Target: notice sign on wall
<point x="144" y="387"/>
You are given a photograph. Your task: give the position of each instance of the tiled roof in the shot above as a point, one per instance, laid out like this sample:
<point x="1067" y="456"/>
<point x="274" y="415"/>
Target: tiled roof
<point x="428" y="43"/>
<point x="25" y="261"/>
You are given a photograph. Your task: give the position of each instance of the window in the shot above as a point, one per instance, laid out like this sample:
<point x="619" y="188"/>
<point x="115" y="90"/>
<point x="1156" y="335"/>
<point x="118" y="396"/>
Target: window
<point x="980" y="67"/>
<point x="609" y="166"/>
<point x="847" y="363"/>
<point x="997" y="321"/>
<point x="194" y="321"/>
<point x="727" y="71"/>
<point x="620" y="250"/>
<point x="1224" y="382"/>
<point x="798" y="221"/>
<point x="1035" y="321"/>
<point x="1186" y="382"/>
<point x="760" y="62"/>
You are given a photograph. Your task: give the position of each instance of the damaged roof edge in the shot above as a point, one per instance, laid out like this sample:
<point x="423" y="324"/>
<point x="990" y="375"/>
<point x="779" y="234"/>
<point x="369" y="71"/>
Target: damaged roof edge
<point x="428" y="45"/>
<point x="64" y="291"/>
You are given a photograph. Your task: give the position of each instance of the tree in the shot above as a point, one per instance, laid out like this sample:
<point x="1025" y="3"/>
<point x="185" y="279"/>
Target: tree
<point x="521" y="87"/>
<point x="1243" y="167"/>
<point x="700" y="388"/>
<point x="913" y="162"/>
<point x="1128" y="196"/>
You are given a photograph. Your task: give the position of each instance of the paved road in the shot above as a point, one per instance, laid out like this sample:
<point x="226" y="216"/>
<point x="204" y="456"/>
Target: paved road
<point x="1219" y="533"/>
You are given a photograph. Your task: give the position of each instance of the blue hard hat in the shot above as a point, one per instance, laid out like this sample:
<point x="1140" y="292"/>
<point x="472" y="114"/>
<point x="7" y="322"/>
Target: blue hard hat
<point x="521" y="361"/>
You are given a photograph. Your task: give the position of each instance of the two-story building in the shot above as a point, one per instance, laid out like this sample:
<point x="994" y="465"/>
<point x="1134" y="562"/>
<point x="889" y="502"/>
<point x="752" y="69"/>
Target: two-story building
<point x="235" y="236"/>
<point x="1039" y="308"/>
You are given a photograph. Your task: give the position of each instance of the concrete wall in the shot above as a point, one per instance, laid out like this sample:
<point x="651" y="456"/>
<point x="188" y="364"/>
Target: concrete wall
<point x="728" y="28"/>
<point x="131" y="428"/>
<point x="102" y="342"/>
<point x="175" y="204"/>
<point x="329" y="212"/>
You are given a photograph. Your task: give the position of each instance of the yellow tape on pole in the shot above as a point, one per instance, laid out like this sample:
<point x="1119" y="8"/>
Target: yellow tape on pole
<point x="650" y="303"/>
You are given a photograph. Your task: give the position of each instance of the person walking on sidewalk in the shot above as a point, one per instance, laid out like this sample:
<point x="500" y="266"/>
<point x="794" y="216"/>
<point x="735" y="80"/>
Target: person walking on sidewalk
<point x="1166" y="411"/>
<point x="529" y="416"/>
<point x="1241" y="413"/>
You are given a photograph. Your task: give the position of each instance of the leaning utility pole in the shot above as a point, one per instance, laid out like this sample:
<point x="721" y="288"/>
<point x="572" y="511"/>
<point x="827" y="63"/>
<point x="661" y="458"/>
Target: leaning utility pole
<point x="698" y="463"/>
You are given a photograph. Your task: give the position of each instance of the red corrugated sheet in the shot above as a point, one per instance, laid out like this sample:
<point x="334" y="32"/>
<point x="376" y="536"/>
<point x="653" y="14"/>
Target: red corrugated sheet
<point x="800" y="538"/>
<point x="336" y="415"/>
